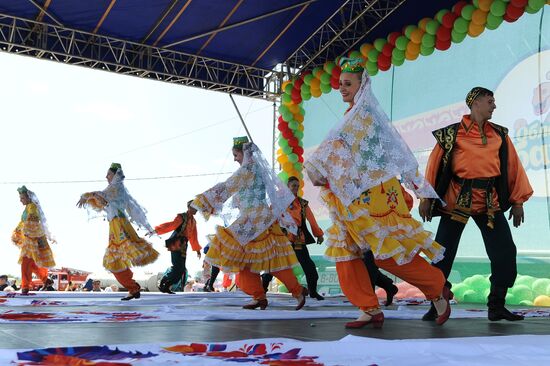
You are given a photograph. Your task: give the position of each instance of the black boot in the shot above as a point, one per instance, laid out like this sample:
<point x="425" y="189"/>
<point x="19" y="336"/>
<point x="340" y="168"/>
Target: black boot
<point x="164" y="286"/>
<point x="266" y="280"/>
<point x="386" y="283"/>
<point x="495" y="303"/>
<point x="431" y="315"/>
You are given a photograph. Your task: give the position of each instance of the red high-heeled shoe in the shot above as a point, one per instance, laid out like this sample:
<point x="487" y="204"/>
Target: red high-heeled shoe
<point x="377" y="321"/>
<point x="302" y="302"/>
<point x="447" y="295"/>
<point x="262" y="304"/>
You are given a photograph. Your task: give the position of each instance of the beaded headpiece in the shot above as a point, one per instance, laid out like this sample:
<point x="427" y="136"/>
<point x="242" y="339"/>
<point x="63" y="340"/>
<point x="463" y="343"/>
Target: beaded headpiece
<point x="476" y="92"/>
<point x="353" y="65"/>
<point x="22" y="190"/>
<point x="115" y="166"/>
<point x="240" y="141"/>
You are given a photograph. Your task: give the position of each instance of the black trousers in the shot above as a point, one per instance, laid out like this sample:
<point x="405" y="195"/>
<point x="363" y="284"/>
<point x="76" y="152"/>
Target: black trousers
<point x="214" y="271"/>
<point x="178" y="270"/>
<point x="310" y="270"/>
<point x="377" y="278"/>
<point x="498" y="241"/>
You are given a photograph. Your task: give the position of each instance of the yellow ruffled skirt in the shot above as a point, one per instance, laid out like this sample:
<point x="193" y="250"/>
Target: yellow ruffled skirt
<point x="379" y="220"/>
<point x="126" y="249"/>
<point x="36" y="249"/>
<point x="270" y="252"/>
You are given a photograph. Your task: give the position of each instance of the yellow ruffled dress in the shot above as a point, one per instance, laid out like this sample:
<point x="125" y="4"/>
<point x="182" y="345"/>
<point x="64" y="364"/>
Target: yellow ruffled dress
<point x="270" y="252"/>
<point x="126" y="249"/>
<point x="29" y="236"/>
<point x="379" y="220"/>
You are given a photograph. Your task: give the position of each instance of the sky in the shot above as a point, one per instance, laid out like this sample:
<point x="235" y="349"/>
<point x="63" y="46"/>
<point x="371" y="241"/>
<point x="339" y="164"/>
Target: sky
<point x="64" y="123"/>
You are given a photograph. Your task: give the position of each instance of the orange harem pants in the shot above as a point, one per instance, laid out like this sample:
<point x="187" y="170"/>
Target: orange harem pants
<point x="251" y="283"/>
<point x="355" y="281"/>
<point x="126" y="279"/>
<point x="28" y="267"/>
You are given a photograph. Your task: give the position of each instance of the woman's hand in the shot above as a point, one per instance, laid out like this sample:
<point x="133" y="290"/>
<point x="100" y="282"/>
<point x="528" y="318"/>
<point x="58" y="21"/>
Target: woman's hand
<point x="81" y="202"/>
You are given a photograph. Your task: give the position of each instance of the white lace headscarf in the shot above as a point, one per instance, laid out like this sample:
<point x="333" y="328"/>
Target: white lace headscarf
<point x="363" y="150"/>
<point x="252" y="199"/>
<point x="34" y="199"/>
<point x="118" y="198"/>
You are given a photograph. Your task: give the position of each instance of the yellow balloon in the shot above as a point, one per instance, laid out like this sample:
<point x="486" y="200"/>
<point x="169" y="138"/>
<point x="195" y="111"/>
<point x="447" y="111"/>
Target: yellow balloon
<point x="416" y="35"/>
<point x="279" y="152"/>
<point x="288" y="166"/>
<point x="475" y="30"/>
<point x="316" y="93"/>
<point x="294" y="108"/>
<point x="365" y="48"/>
<point x="479" y="17"/>
<point x="282" y="159"/>
<point x="315" y="84"/>
<point x="301" y="127"/>
<point x="284" y="84"/>
<point x="485" y="5"/>
<point x="542" y="300"/>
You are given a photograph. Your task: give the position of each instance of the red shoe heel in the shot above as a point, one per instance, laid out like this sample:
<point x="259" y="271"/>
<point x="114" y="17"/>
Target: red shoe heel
<point x="262" y="304"/>
<point x="377" y="321"/>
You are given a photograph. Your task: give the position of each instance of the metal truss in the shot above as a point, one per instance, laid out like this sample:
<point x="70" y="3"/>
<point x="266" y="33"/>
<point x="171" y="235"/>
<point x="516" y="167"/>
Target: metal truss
<point x="75" y="47"/>
<point x="341" y="33"/>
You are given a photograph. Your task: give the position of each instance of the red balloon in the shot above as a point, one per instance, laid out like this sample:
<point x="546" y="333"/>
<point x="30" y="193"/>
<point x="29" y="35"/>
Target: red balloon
<point x="519" y="3"/>
<point x="300" y="159"/>
<point x="392" y="37"/>
<point x="281" y="120"/>
<point x="287" y="134"/>
<point x="292" y="141"/>
<point x="514" y="12"/>
<point x="298" y="150"/>
<point x="298" y="83"/>
<point x="384" y="62"/>
<point x="295" y="93"/>
<point x="457" y="8"/>
<point x="282" y="127"/>
<point x="335" y="83"/>
<point x="442" y="45"/>
<point x="387" y="50"/>
<point x="336" y="72"/>
<point x="443" y="34"/>
<point x="449" y="20"/>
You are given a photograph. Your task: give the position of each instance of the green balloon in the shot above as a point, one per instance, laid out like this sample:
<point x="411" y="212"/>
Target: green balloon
<point x="428" y="40"/>
<point x="526" y="303"/>
<point x="286" y="98"/>
<point x="298" y="271"/>
<point x="372" y="67"/>
<point x="493" y="21"/>
<point x="473" y="297"/>
<point x="302" y="111"/>
<point x="459" y="290"/>
<point x="511" y="299"/>
<point x="287" y="116"/>
<point x="288" y="88"/>
<point x="282" y="289"/>
<point x="299" y="135"/>
<point x="305" y="96"/>
<point x="432" y="26"/>
<point x="426" y="51"/>
<point x="541" y="286"/>
<point x="293" y="158"/>
<point x="326" y="88"/>
<point x="298" y="166"/>
<point x="440" y="14"/>
<point x="325" y="78"/>
<point x="461" y="25"/>
<point x="536" y="5"/>
<point x="305" y="88"/>
<point x="316" y="70"/>
<point x="283" y="142"/>
<point x="525" y="280"/>
<point x="293" y="125"/>
<point x="498" y="8"/>
<point x="409" y="29"/>
<point x="522" y="292"/>
<point x="397" y="61"/>
<point x="355" y="54"/>
<point x="467" y="12"/>
<point x="286" y="149"/>
<point x="283" y="109"/>
<point x="401" y="43"/>
<point x="283" y="176"/>
<point x="379" y="43"/>
<point x="373" y="55"/>
<point x="457" y="37"/>
<point x="398" y="54"/>
<point x="329" y="66"/>
<point x="301" y="143"/>
<point x="476" y="3"/>
<point x="308" y="78"/>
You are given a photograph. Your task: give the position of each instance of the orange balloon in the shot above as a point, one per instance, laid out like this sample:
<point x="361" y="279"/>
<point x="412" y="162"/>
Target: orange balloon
<point x="315" y="84"/>
<point x="479" y="17"/>
<point x="301" y="127"/>
<point x="288" y="104"/>
<point x="282" y="159"/>
<point x="416" y="35"/>
<point x="475" y="30"/>
<point x="285" y="83"/>
<point x="294" y="108"/>
<point x="298" y="117"/>
<point x="288" y="166"/>
<point x="365" y="48"/>
<point x="413" y="48"/>
<point x="279" y="152"/>
<point x="485" y="5"/>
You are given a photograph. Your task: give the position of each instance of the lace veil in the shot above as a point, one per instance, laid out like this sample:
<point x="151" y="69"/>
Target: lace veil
<point x="252" y="199"/>
<point x="43" y="221"/>
<point x="364" y="150"/>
